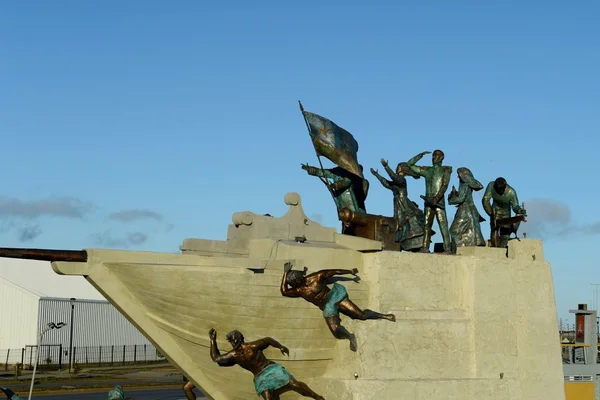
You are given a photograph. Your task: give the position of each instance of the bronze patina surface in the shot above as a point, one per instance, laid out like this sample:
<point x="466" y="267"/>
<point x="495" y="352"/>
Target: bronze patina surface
<point x="270" y="379"/>
<point x="332" y="302"/>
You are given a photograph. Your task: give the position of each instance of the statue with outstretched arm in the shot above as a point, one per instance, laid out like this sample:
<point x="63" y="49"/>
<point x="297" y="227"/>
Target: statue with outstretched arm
<point x="270" y="379"/>
<point x="349" y="191"/>
<point x="437" y="179"/>
<point x="332" y="302"/>
<point x="498" y="201"/>
<point x="410" y="219"/>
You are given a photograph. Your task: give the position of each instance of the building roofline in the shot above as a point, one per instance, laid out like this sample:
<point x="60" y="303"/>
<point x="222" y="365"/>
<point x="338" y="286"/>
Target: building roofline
<point x="76" y="300"/>
<point x="32" y="292"/>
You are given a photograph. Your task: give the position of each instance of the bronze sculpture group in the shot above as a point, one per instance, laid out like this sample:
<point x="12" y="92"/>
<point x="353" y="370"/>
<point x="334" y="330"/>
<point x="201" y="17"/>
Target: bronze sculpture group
<point x="410" y="229"/>
<point x="414" y="226"/>
<point x="272" y="379"/>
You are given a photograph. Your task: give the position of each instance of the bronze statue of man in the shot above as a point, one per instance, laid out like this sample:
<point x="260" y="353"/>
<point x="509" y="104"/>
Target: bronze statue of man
<point x="437" y="179"/>
<point x="313" y="289"/>
<point x="504" y="199"/>
<point x="270" y="379"/>
<point x="348" y="190"/>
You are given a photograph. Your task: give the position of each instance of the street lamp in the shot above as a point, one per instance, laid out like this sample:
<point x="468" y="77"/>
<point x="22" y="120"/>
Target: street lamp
<point x="72" y="301"/>
<point x="51" y="325"/>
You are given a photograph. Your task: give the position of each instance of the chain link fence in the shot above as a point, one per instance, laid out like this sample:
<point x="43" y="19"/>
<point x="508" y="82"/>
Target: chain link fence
<point x="56" y="356"/>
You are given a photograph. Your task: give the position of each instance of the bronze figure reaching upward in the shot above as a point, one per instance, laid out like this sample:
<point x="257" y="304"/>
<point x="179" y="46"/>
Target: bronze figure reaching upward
<point x="313" y="289"/>
<point x="410" y="219"/>
<point x="270" y="379"/>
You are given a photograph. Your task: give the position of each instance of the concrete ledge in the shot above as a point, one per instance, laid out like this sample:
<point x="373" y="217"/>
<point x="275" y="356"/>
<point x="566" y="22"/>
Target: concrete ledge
<point x="526" y="249"/>
<point x="481" y="252"/>
<point x="358" y="243"/>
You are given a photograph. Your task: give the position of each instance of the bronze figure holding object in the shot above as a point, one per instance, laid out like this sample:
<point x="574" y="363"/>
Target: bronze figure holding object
<point x="466" y="229"/>
<point x="410" y="219"/>
<point x="505" y="199"/>
<point x="347" y="190"/>
<point x="313" y="289"/>
<point x="437" y="179"/>
<point x="270" y="379"/>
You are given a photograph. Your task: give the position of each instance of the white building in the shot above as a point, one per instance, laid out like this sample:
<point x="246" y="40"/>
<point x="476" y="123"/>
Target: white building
<point x="33" y="295"/>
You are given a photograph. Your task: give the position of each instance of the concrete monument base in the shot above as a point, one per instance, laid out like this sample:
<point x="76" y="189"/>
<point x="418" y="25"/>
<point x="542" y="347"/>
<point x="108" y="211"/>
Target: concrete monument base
<point x="477" y="325"/>
<point x="474" y="326"/>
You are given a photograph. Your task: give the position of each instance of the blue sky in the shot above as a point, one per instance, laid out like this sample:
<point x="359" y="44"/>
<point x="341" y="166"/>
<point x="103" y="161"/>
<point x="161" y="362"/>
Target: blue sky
<point x="138" y="124"/>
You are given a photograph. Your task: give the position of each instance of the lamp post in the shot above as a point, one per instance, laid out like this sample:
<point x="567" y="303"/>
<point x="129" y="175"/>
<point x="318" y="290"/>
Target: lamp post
<point x="72" y="301"/>
<point x="51" y="325"/>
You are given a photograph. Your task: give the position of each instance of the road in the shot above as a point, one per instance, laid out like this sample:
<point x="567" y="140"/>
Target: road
<point x="148" y="394"/>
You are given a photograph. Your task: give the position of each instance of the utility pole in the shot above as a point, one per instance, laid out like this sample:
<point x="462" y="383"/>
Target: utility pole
<point x="72" y="301"/>
<point x="596" y="305"/>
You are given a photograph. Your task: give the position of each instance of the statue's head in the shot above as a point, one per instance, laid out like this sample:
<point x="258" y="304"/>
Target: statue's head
<point x="295" y="279"/>
<point x="466" y="176"/>
<point x="437" y="157"/>
<point x="500" y="185"/>
<point x="235" y="338"/>
<point x="404" y="170"/>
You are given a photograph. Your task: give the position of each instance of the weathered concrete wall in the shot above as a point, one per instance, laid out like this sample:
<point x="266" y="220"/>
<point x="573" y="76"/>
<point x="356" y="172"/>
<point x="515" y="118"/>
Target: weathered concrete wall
<point x="478" y="325"/>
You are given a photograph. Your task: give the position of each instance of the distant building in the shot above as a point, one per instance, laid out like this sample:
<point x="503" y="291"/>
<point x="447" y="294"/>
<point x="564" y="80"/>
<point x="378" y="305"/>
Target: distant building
<point x="580" y="357"/>
<point x="33" y="295"/>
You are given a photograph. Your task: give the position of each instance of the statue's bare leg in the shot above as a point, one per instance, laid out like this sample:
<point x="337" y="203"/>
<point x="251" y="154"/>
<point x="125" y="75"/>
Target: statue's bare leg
<point x="269" y="395"/>
<point x="303" y="389"/>
<point x="429" y="216"/>
<point x="442" y="220"/>
<point x="350" y="309"/>
<point x="339" y="332"/>
<point x="188" y="389"/>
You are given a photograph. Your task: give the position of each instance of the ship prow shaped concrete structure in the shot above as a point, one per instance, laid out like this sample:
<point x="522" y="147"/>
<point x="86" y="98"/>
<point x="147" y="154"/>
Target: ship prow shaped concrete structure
<point x="477" y="325"/>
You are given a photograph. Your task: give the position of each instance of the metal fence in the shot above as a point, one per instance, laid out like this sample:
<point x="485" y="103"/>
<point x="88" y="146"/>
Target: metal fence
<point x="55" y="355"/>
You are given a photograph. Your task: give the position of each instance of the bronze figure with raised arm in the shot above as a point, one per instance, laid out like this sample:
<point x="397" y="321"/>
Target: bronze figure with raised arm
<point x="437" y="179"/>
<point x="270" y="379"/>
<point x="409" y="217"/>
<point x="348" y="190"/>
<point x="313" y="289"/>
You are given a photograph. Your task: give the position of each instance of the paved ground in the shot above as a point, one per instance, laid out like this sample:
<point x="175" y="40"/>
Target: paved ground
<point x="144" y="383"/>
<point x="83" y="383"/>
<point x="97" y="379"/>
<point x="150" y="394"/>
